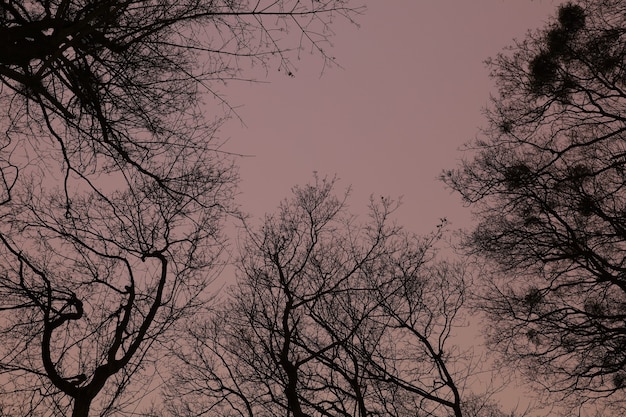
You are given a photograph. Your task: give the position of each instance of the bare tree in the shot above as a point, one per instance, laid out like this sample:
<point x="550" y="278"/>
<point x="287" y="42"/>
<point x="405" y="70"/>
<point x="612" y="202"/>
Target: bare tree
<point x="99" y="259"/>
<point x="113" y="186"/>
<point x="86" y="296"/>
<point x="120" y="79"/>
<point x="330" y="317"/>
<point x="547" y="183"/>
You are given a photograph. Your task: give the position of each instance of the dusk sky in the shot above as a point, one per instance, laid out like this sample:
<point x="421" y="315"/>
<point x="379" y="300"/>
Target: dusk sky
<point x="409" y="93"/>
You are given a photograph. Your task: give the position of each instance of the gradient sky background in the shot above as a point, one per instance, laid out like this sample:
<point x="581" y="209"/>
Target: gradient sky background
<point x="409" y="94"/>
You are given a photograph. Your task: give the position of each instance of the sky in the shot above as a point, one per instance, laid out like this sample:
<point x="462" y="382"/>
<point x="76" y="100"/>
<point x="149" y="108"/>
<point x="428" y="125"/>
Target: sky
<point x="408" y="93"/>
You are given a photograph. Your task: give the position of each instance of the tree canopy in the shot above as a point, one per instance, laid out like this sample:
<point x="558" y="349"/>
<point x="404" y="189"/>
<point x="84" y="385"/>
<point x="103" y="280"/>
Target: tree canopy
<point x="547" y="179"/>
<point x="331" y="316"/>
<point x="115" y="84"/>
<point x="114" y="186"/>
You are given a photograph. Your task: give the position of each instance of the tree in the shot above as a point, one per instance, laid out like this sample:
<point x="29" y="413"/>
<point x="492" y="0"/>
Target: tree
<point x="329" y="317"/>
<point x="119" y="80"/>
<point x="87" y="298"/>
<point x="547" y="182"/>
<point x="113" y="186"/>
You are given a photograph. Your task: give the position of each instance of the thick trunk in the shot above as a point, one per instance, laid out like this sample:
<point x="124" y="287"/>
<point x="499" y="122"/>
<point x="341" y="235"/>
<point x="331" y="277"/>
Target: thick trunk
<point x="81" y="406"/>
<point x="291" y="391"/>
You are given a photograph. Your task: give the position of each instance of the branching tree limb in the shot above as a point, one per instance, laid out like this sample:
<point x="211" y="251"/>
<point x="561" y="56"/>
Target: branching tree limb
<point x="330" y="317"/>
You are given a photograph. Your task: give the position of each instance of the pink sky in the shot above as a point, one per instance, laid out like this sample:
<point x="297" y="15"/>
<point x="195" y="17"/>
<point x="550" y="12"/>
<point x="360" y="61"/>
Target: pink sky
<point x="410" y="93"/>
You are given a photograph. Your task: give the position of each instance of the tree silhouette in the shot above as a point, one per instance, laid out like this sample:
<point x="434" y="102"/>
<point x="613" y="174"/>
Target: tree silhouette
<point x="113" y="186"/>
<point x="547" y="182"/>
<point x="88" y="297"/>
<point x="330" y="317"/>
<point x="120" y="79"/>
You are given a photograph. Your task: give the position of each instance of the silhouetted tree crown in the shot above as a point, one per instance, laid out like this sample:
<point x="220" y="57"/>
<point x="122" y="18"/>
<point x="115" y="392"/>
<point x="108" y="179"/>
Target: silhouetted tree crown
<point x="113" y="184"/>
<point x="331" y="316"/>
<point x="93" y="77"/>
<point x="547" y="181"/>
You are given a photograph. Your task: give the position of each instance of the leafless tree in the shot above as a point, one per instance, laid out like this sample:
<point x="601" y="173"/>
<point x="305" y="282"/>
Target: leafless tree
<point x="120" y="79"/>
<point x="330" y="317"/>
<point x="547" y="181"/>
<point x="113" y="185"/>
<point x="87" y="297"/>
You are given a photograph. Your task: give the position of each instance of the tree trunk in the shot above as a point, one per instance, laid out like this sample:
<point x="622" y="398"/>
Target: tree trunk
<point x="82" y="404"/>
